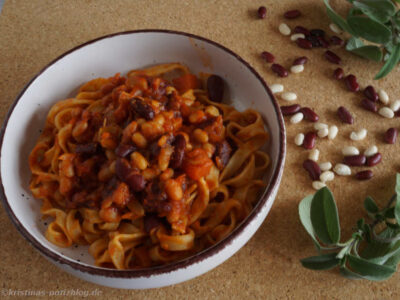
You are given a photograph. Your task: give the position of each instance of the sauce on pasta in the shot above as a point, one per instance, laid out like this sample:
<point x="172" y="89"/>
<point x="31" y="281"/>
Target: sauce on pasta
<point x="147" y="170"/>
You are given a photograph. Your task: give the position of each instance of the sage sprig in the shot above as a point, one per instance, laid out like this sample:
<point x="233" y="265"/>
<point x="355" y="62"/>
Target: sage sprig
<point x="369" y="253"/>
<point x="375" y="21"/>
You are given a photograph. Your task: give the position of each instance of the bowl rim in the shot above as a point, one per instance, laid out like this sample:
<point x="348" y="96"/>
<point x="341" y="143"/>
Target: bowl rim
<point x="196" y="258"/>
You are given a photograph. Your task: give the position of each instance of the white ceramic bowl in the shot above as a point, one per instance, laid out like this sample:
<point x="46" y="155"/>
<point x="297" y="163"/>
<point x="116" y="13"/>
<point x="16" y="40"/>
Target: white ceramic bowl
<point x="105" y="56"/>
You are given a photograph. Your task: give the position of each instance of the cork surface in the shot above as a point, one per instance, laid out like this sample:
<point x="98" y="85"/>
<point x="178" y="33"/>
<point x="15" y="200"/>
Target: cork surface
<point x="32" y="33"/>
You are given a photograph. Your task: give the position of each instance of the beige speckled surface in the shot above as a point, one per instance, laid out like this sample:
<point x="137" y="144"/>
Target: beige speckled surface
<point x="32" y="33"/>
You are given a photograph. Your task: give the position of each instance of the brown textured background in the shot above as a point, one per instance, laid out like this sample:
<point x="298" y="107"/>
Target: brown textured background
<point x="32" y="33"/>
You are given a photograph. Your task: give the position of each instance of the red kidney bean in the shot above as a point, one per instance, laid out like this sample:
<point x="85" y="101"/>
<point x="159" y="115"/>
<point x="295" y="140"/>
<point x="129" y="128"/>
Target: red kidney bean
<point x="89" y="148"/>
<point x="364" y="175"/>
<point x="262" y="12"/>
<point x="309" y="140"/>
<point x="345" y="115"/>
<point x="268" y="57"/>
<point x="397" y="113"/>
<point x="301" y="29"/>
<point x="223" y="151"/>
<point x="136" y="182"/>
<point x="309" y="114"/>
<point x="337" y="41"/>
<point x="374" y="159"/>
<point x="179" y="152"/>
<point x="371" y="94"/>
<point x="391" y="135"/>
<point x="300" y="61"/>
<point x="312" y="168"/>
<point x="332" y="57"/>
<point x="317" y="32"/>
<point x="124" y="150"/>
<point x="315" y="43"/>
<point x="151" y="221"/>
<point x="122" y="168"/>
<point x="324" y="43"/>
<point x="338" y="73"/>
<point x="215" y="88"/>
<point x="369" y="105"/>
<point x="355" y="160"/>
<point x="292" y="14"/>
<point x="351" y="83"/>
<point x="143" y="109"/>
<point x="290" y="109"/>
<point x="280" y="70"/>
<point x="303" y="43"/>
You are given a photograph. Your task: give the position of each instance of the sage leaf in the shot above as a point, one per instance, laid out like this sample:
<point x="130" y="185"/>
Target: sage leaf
<point x="391" y="62"/>
<point x="369" y="29"/>
<point x="305" y="218"/>
<point x="361" y="224"/>
<point x="394" y="250"/>
<point x="369" y="270"/>
<point x="354" y="12"/>
<point x="378" y="10"/>
<point x="370" y="205"/>
<point x="324" y="217"/>
<point x="369" y="52"/>
<point x="397" y="190"/>
<point x="354" y="43"/>
<point x="349" y="274"/>
<point x="378" y="251"/>
<point x="337" y="19"/>
<point x="321" y="262"/>
<point x="389" y="214"/>
<point x="393" y="261"/>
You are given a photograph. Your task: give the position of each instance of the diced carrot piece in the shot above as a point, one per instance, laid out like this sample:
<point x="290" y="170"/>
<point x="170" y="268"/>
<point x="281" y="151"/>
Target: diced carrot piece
<point x="186" y="82"/>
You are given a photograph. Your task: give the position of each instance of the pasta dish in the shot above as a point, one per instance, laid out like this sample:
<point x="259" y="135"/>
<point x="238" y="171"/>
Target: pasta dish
<point x="147" y="168"/>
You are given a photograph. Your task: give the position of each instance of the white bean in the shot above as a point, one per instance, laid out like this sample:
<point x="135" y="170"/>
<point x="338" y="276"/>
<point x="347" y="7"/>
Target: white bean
<point x="383" y="96"/>
<point x="296" y="36"/>
<point x="325" y="166"/>
<point x="335" y="28"/>
<point x="371" y="151"/>
<point x="297" y="69"/>
<point x="319" y="126"/>
<point x="333" y="131"/>
<point x="360" y="135"/>
<point x="276" y="88"/>
<point x="314" y="155"/>
<point x="284" y="29"/>
<point x="350" y="150"/>
<point x="327" y="176"/>
<point x="289" y="96"/>
<point x="342" y="170"/>
<point x="323" y="132"/>
<point x="297" y="118"/>
<point x="299" y="139"/>
<point x="318" y="185"/>
<point x="395" y="106"/>
<point x="386" y="112"/>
